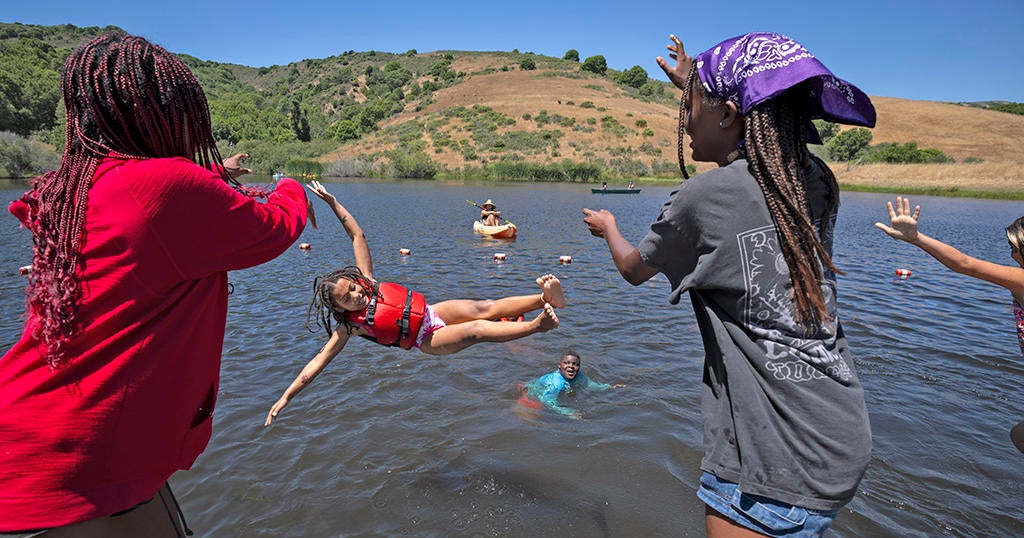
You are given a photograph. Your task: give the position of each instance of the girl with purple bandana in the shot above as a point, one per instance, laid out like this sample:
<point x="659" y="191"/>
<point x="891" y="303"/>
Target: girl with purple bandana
<point x="786" y="432"/>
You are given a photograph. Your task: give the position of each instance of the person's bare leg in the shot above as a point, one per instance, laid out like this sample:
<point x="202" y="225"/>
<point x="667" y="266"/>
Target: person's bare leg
<point x="718" y="526"/>
<point x="462" y="310"/>
<point x="456" y="337"/>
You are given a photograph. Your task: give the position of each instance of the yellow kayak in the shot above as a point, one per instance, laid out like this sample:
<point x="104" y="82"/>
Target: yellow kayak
<point x="505" y="231"/>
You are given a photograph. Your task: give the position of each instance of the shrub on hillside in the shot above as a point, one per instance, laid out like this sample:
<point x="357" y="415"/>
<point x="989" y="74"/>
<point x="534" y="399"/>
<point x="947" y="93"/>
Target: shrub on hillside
<point x="527" y="64"/>
<point x="849" y="145"/>
<point x="1012" y="108"/>
<point x="909" y="153"/>
<point x="595" y="64"/>
<point x="633" y="77"/>
<point x="572" y="54"/>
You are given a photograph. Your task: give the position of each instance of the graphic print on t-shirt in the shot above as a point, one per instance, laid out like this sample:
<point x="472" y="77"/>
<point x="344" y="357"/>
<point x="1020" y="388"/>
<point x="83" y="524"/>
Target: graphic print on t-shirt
<point x="768" y="312"/>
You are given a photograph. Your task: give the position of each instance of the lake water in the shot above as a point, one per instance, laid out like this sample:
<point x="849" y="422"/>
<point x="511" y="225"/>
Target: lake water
<point x="389" y="442"/>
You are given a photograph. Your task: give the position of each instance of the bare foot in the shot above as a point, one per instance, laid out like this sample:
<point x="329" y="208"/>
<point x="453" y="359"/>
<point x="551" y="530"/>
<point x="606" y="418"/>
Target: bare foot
<point x="547" y="318"/>
<point x="552" y="293"/>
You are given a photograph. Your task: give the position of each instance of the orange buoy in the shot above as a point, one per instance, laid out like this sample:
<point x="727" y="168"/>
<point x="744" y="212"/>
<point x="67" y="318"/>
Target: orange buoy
<point x="24" y="269"/>
<point x="499" y="255"/>
<point x="903" y="273"/>
<point x="565" y="259"/>
<point x="404" y="251"/>
<point x="304" y="246"/>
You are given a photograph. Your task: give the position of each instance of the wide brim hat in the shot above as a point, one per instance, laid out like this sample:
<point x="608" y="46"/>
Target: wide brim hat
<point x="753" y="68"/>
<point x="487" y="204"/>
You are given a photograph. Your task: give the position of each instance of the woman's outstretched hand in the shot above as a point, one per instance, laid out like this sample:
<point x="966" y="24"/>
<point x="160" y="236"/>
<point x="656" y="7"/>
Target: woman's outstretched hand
<point x="676" y="74"/>
<point x="233" y="165"/>
<point x="902" y="223"/>
<point x="322" y="192"/>
<point x="599" y="221"/>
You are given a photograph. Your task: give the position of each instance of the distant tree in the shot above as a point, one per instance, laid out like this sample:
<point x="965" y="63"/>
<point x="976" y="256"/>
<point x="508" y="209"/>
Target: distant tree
<point x="527" y="64"/>
<point x="300" y="124"/>
<point x="595" y="64"/>
<point x="850" y="144"/>
<point x="572" y="54"/>
<point x="634" y="77"/>
<point x="826" y="129"/>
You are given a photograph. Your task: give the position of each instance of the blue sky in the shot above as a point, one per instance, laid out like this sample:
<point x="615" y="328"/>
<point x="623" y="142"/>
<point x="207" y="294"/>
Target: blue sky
<point x="930" y="50"/>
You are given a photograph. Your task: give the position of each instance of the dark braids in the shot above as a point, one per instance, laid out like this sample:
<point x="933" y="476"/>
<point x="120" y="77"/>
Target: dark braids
<point x="777" y="156"/>
<point x="683" y="111"/>
<point x="322" y="311"/>
<point x="125" y="98"/>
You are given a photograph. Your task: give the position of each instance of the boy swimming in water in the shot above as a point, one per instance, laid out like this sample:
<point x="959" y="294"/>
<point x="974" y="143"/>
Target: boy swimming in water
<point x="545" y="390"/>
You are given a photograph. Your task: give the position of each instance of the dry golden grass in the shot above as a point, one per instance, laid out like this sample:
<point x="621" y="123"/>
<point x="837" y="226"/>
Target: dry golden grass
<point x="959" y="131"/>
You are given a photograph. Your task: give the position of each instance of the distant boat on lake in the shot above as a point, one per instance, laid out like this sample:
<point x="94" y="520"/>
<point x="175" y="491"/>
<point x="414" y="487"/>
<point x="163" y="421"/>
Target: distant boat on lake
<point x="614" y="191"/>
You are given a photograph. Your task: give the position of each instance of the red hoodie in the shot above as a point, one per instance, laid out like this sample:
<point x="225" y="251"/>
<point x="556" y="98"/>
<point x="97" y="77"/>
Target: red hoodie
<point x="134" y="405"/>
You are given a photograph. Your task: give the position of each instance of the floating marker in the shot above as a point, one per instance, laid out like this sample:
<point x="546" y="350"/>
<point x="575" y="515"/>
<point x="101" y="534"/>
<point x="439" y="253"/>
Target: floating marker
<point x="404" y="251"/>
<point x="499" y="255"/>
<point x="304" y="246"/>
<point x="903" y="273"/>
<point x="565" y="259"/>
<point x="24" y="269"/>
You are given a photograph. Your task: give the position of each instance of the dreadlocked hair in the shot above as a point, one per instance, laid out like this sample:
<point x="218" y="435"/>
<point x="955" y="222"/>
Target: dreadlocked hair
<point x="322" y="311"/>
<point x="125" y="98"/>
<point x="683" y="111"/>
<point x="777" y="156"/>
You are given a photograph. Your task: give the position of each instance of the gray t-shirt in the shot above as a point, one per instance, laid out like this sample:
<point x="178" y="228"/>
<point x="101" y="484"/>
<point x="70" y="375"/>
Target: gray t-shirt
<point x="783" y="410"/>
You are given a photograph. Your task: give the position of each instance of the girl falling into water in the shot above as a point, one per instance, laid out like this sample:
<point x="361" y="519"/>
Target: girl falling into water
<point x="351" y="302"/>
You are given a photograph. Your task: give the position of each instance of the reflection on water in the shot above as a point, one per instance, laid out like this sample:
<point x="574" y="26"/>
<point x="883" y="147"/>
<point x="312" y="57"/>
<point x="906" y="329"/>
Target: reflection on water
<point x="388" y="442"/>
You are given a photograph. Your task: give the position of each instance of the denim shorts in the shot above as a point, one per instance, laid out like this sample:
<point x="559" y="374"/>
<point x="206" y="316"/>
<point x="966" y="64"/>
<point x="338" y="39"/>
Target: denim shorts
<point x="762" y="514"/>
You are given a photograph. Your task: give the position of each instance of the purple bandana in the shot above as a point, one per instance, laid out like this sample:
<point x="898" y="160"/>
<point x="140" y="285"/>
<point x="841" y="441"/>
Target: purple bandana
<point x="753" y="68"/>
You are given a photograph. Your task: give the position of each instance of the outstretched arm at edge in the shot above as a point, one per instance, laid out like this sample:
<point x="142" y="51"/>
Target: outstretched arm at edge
<point x="310" y="371"/>
<point x="903" y="226"/>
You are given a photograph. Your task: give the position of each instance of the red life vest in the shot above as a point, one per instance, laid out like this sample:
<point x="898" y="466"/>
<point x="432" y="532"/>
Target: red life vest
<point x="393" y="317"/>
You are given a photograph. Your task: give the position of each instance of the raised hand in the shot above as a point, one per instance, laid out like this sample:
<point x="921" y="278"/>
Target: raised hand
<point x="902" y="223"/>
<point x="678" y="73"/>
<point x="322" y="192"/>
<point x="233" y="165"/>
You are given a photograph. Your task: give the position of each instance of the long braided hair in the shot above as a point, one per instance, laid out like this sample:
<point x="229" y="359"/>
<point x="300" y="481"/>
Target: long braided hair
<point x="322" y="311"/>
<point x="777" y="154"/>
<point x="125" y="98"/>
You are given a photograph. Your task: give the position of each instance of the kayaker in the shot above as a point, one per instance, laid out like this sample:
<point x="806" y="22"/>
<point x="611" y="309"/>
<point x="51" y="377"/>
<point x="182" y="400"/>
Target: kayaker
<point x="786" y="432"/>
<point x="112" y="387"/>
<point x="566" y="378"/>
<point x="351" y="302"/>
<point x="489" y="213"/>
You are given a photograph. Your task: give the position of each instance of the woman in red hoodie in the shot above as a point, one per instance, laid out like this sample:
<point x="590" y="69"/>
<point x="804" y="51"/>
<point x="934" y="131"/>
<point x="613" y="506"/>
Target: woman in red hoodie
<point x="112" y="386"/>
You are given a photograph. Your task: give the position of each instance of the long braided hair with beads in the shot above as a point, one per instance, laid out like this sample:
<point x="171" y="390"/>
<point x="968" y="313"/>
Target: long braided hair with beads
<point x="322" y="311"/>
<point x="125" y="98"/>
<point x="776" y="152"/>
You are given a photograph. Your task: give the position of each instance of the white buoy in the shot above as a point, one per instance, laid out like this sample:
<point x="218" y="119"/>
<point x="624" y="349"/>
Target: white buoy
<point x="903" y="273"/>
<point x="304" y="246"/>
<point x="404" y="251"/>
<point x="565" y="259"/>
<point x="25" y="269"/>
<point x="499" y="255"/>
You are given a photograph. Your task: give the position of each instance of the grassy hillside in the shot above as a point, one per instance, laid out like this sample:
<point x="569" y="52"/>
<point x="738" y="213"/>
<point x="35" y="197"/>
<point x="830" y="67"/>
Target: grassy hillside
<point x="466" y="114"/>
